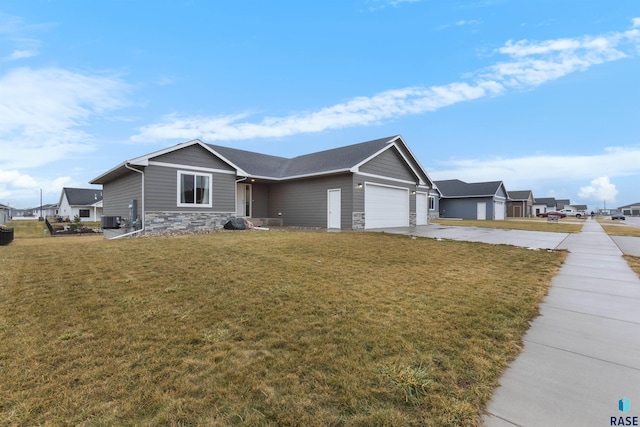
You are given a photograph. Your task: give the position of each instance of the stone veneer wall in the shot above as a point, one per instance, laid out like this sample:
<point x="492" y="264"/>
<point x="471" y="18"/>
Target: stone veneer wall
<point x="157" y="222"/>
<point x="357" y="222"/>
<point x="412" y="219"/>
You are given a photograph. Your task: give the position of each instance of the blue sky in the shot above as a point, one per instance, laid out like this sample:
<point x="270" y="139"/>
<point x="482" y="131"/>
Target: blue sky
<point x="542" y="95"/>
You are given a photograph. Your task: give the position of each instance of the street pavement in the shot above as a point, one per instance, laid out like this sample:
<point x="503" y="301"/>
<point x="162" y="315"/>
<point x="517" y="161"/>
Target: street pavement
<point x="581" y="356"/>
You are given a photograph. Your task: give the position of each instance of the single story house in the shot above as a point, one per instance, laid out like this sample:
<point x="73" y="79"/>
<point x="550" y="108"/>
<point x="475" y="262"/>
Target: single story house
<point x="477" y="200"/>
<point x="543" y="205"/>
<point x="520" y="204"/>
<point x="194" y="185"/>
<point x="5" y="214"/>
<point x="48" y="210"/>
<point x="632" y="209"/>
<point x="85" y="203"/>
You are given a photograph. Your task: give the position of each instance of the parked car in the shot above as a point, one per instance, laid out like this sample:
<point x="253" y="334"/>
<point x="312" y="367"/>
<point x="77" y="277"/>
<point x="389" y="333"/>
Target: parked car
<point x="558" y="214"/>
<point x="573" y="212"/>
<point x="617" y="216"/>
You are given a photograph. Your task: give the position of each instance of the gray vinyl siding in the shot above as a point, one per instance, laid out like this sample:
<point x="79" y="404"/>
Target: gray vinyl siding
<point x="465" y="208"/>
<point x="117" y="194"/>
<point x="260" y="200"/>
<point x="389" y="163"/>
<point x="303" y="203"/>
<point x="194" y="155"/>
<point x="161" y="190"/>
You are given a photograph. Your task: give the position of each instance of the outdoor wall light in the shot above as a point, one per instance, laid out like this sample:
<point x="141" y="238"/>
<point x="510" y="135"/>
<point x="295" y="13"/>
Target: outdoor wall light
<point x="359" y="185"/>
<point x="413" y="192"/>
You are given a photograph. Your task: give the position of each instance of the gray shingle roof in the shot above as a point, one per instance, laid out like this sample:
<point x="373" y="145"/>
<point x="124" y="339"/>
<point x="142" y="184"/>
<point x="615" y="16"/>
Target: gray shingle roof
<point x="519" y="195"/>
<point x="457" y="188"/>
<point x="82" y="196"/>
<point x="549" y="201"/>
<point x="341" y="158"/>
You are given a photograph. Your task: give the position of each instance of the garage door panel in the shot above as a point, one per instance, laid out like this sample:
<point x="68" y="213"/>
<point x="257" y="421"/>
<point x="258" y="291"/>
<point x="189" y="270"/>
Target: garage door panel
<point x="499" y="210"/>
<point x="386" y="206"/>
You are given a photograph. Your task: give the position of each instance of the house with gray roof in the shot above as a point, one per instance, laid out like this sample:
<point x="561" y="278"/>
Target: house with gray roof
<point x="85" y="203"/>
<point x="194" y="185"/>
<point x="632" y="209"/>
<point x="476" y="200"/>
<point x="5" y="214"/>
<point x="543" y="205"/>
<point x="520" y="204"/>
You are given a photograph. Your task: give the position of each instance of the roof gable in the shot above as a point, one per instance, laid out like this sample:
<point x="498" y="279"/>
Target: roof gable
<point x="549" y="201"/>
<point x="520" y="195"/>
<point x="81" y="196"/>
<point x="247" y="163"/>
<point x="453" y="188"/>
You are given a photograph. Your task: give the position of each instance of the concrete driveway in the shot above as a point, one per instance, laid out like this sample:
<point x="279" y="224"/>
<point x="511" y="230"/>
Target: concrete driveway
<point x="526" y="239"/>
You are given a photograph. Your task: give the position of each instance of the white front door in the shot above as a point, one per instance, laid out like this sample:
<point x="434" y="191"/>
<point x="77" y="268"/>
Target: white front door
<point x="499" y="211"/>
<point x="421" y="209"/>
<point x="481" y="210"/>
<point x="334" y="207"/>
<point x="243" y="200"/>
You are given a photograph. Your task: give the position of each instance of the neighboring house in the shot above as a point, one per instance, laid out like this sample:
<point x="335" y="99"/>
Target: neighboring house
<point x="45" y="211"/>
<point x="520" y="204"/>
<point x="83" y="202"/>
<point x="5" y="214"/>
<point x="632" y="210"/>
<point x="544" y="204"/>
<point x="563" y="204"/>
<point x="194" y="185"/>
<point x="477" y="200"/>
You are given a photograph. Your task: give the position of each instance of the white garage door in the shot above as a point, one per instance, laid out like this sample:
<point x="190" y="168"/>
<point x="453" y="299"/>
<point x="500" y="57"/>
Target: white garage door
<point x="421" y="209"/>
<point x="498" y="210"/>
<point x="385" y="206"/>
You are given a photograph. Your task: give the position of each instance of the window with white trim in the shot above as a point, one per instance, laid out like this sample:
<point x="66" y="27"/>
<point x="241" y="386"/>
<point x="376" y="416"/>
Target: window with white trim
<point x="432" y="203"/>
<point x="194" y="189"/>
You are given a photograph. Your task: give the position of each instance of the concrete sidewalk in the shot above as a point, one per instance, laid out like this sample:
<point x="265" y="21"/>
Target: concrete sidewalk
<point x="582" y="354"/>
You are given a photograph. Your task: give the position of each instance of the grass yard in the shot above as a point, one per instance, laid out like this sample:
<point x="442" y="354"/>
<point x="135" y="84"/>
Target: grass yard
<point x="634" y="263"/>
<point x="532" y="224"/>
<point x="619" y="230"/>
<point x="261" y="328"/>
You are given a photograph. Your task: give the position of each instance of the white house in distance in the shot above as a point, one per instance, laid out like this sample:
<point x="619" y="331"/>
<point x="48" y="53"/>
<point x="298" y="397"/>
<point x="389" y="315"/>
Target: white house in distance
<point x="5" y="214"/>
<point x="83" y="202"/>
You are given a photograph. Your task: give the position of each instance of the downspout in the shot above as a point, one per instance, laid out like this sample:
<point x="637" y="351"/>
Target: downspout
<point x="142" y="211"/>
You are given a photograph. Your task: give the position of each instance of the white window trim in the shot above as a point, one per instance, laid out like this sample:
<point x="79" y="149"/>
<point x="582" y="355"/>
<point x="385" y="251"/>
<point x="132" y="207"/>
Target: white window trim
<point x="179" y="184"/>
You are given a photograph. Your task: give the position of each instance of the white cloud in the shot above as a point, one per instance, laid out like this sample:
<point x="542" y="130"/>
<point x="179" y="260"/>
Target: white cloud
<point x="42" y="111"/>
<point x="635" y="22"/>
<point x="525" y="172"/>
<point x="600" y="189"/>
<point x="359" y="111"/>
<point x="22" y="54"/>
<point x="17" y="179"/>
<point x="531" y="64"/>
